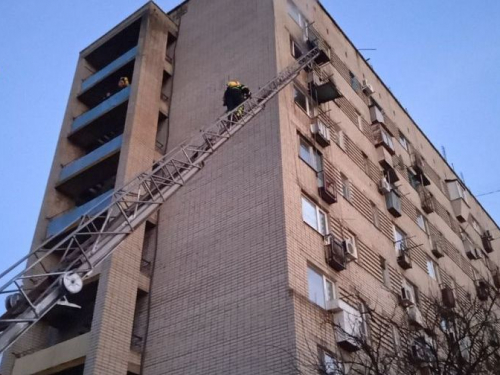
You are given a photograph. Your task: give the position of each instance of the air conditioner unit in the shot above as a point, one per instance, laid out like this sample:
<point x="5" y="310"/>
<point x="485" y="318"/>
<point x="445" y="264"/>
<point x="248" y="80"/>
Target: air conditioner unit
<point x="335" y="253"/>
<point x="350" y="249"/>
<point x="473" y="253"/>
<point x="321" y="133"/>
<point x="404" y="260"/>
<point x="482" y="290"/>
<point x="405" y="298"/>
<point x="465" y="346"/>
<point x="348" y="329"/>
<point x="367" y="88"/>
<point x="336" y="305"/>
<point x="384" y="186"/>
<point x="415" y="316"/>
<point x="437" y="249"/>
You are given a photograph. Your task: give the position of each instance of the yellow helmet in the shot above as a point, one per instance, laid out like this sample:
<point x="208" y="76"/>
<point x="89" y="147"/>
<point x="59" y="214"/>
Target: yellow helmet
<point x="233" y="84"/>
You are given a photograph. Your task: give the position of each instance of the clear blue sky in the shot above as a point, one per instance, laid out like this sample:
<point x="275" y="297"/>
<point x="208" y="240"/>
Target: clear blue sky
<point x="440" y="58"/>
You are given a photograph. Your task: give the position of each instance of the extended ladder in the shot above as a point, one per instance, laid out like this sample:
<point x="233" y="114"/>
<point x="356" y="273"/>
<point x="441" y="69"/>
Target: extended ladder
<point x="35" y="290"/>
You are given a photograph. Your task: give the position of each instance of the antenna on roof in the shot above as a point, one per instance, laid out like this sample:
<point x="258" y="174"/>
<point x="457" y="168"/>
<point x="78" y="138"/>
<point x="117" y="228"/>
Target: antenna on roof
<point x="462" y="177"/>
<point x="443" y="151"/>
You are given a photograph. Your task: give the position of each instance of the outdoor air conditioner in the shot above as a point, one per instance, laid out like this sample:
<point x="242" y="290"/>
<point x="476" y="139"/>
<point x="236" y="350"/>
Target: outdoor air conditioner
<point x="437" y="249"/>
<point x="350" y="249"/>
<point x="473" y="253"/>
<point x="334" y="252"/>
<point x="415" y="316"/>
<point x="404" y="260"/>
<point x="384" y="186"/>
<point x="486" y="238"/>
<point x="348" y="328"/>
<point x="405" y="297"/>
<point x="321" y="133"/>
<point x="367" y="88"/>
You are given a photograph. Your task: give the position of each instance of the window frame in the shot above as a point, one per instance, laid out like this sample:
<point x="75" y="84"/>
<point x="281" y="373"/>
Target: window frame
<point x="397" y="242"/>
<point x="403" y="141"/>
<point x="387" y="138"/>
<point x="309" y="107"/>
<point x="325" y="282"/>
<point x="375" y="215"/>
<point x="318" y="213"/>
<point x="413" y="290"/>
<point x="422" y="222"/>
<point x="315" y="157"/>
<point x="433" y="270"/>
<point x="323" y="353"/>
<point x="346" y="187"/>
<point x="386" y="275"/>
<point x="294" y="47"/>
<point x="297" y="15"/>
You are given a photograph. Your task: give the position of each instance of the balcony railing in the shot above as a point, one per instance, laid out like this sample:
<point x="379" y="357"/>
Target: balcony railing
<point x="109" y="69"/>
<point x="85" y="162"/>
<point x="112" y="102"/>
<point x="315" y="40"/>
<point x="72" y="216"/>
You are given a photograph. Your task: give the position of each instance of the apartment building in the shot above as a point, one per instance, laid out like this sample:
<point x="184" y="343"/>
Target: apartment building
<point x="330" y="200"/>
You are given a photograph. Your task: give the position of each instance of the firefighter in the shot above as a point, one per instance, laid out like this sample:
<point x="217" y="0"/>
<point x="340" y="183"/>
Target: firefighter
<point x="235" y="94"/>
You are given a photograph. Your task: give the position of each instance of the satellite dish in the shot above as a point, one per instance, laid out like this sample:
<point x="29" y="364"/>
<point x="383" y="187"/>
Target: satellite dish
<point x="72" y="282"/>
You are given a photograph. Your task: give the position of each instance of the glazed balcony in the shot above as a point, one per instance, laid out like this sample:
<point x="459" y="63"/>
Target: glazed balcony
<point x="90" y="170"/>
<point x="102" y="122"/>
<point x="69" y="218"/>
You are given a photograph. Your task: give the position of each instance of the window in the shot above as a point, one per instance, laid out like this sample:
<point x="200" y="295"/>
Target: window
<point x="346" y="188"/>
<point x="341" y="139"/>
<point x="403" y="141"/>
<point x="314" y="216"/>
<point x="321" y="290"/>
<point x="330" y="364"/>
<point x="386" y="276"/>
<point x="356" y="86"/>
<point x="421" y="221"/>
<point x="386" y="138"/>
<point x="475" y="225"/>
<point x="302" y="100"/>
<point x="310" y="155"/>
<point x="360" y="121"/>
<point x="375" y="215"/>
<point x="396" y="339"/>
<point x="413" y="291"/>
<point x="295" y="49"/>
<point x="399" y="239"/>
<point x="295" y="13"/>
<point x="433" y="270"/>
<point x="366" y="163"/>
<point x="365" y="321"/>
<point x="414" y="180"/>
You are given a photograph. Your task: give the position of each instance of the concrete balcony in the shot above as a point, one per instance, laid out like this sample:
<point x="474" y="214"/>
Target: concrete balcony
<point x="113" y="67"/>
<point x="69" y="218"/>
<point x="108" y="117"/>
<point x="90" y="170"/>
<point x="323" y="87"/>
<point x="60" y="357"/>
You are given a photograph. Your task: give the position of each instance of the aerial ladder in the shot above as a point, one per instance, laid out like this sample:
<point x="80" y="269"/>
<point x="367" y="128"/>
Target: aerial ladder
<point x="34" y="291"/>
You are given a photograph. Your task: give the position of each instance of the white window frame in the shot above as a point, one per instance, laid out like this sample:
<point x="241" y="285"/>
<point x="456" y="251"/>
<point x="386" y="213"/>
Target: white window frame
<point x="403" y="141"/>
<point x="346" y="187"/>
<point x="319" y="215"/>
<point x="375" y="215"/>
<point x="386" y="275"/>
<point x="386" y="138"/>
<point x="413" y="294"/>
<point x="365" y="321"/>
<point x="314" y="159"/>
<point x="294" y="47"/>
<point x="309" y="108"/>
<point x="433" y="270"/>
<point x="475" y="225"/>
<point x="331" y="364"/>
<point x="296" y="14"/>
<point x="422" y="221"/>
<point x="327" y="285"/>
<point x="397" y="241"/>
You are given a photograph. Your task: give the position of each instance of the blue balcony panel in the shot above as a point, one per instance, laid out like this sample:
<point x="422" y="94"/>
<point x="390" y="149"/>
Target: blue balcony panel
<point x="87" y="161"/>
<point x="68" y="219"/>
<point x="109" y="69"/>
<point x="103" y="108"/>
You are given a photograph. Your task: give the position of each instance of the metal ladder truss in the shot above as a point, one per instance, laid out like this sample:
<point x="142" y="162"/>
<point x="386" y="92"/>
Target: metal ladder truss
<point x="35" y="290"/>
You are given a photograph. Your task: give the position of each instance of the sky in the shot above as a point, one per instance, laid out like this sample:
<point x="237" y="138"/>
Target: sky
<point x="440" y="58"/>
